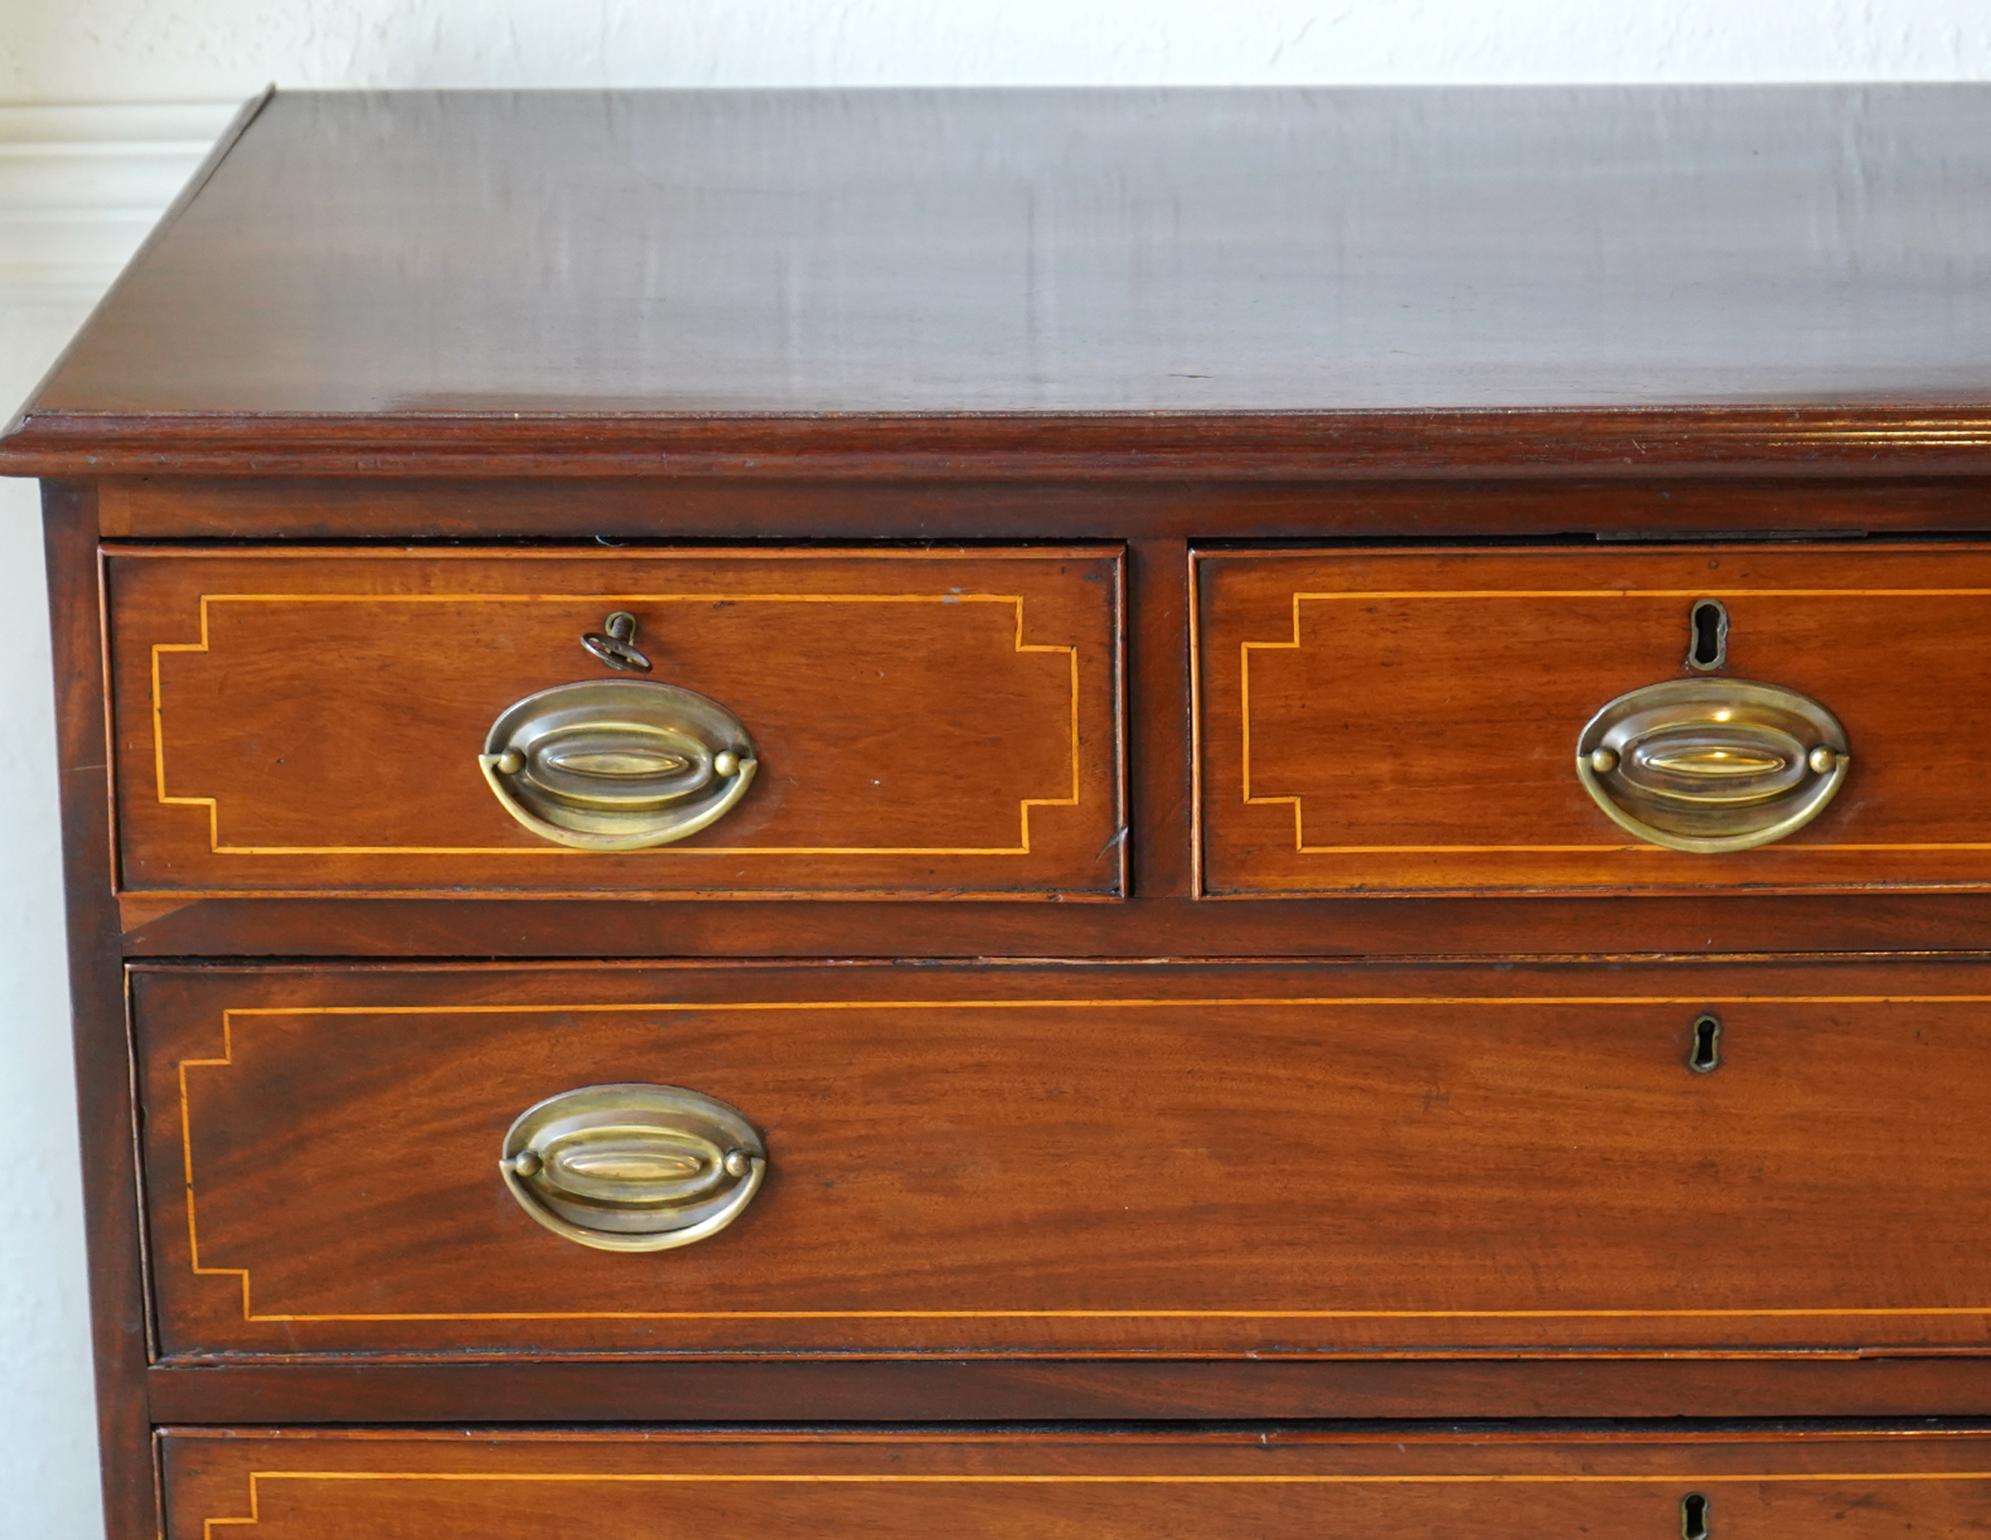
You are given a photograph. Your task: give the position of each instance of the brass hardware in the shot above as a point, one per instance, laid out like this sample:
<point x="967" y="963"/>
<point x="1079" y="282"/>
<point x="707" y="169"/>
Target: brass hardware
<point x="1704" y="1058"/>
<point x="633" y="1167"/>
<point x="1707" y="635"/>
<point x="1707" y="765"/>
<point x="1694" y="1523"/>
<point x="615" y="643"/>
<point x="617" y="764"/>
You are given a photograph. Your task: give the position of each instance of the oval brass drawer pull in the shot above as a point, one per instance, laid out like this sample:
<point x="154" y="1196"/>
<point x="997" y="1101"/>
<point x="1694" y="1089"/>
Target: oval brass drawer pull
<point x="1708" y="765"/>
<point x="617" y="764"/>
<point x="633" y="1167"/>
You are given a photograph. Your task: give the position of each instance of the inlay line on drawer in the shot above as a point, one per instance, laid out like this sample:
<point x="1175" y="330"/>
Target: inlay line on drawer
<point x="215" y="844"/>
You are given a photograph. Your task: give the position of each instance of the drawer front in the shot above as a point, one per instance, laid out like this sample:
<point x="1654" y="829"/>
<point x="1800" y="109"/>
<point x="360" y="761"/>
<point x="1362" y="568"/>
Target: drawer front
<point x="1075" y="1160"/>
<point x="915" y="723"/>
<point x="1402" y="722"/>
<point x="453" y="1485"/>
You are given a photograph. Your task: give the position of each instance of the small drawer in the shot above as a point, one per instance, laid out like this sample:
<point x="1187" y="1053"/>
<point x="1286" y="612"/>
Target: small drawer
<point x="885" y="723"/>
<point x="456" y="1484"/>
<point x="1723" y="719"/>
<point x="1226" y="1161"/>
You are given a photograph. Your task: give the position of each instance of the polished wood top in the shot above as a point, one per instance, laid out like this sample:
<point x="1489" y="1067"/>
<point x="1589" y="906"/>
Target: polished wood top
<point x="1589" y="275"/>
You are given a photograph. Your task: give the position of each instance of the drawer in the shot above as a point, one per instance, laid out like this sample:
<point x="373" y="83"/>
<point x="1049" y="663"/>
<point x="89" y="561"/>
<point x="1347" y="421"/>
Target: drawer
<point x="1081" y="1160"/>
<point x="879" y="722"/>
<point x="1724" y="719"/>
<point x="459" y="1485"/>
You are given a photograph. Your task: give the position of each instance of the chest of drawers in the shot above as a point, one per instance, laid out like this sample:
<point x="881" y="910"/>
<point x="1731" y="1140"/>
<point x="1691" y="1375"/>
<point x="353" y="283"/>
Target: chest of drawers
<point x="1038" y="813"/>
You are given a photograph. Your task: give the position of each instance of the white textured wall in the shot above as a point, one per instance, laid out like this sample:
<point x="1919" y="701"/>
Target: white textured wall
<point x="181" y="48"/>
<point x="77" y="186"/>
<point x="46" y="1437"/>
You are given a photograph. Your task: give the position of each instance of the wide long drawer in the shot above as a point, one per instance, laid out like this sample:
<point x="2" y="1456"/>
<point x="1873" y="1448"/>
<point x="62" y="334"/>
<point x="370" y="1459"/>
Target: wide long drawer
<point x="1722" y="719"/>
<point x="880" y="722"/>
<point x="1114" y="1160"/>
<point x="456" y="1485"/>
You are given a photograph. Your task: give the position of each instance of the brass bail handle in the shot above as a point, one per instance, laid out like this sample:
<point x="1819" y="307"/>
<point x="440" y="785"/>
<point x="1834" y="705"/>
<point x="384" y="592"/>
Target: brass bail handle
<point x="1712" y="763"/>
<point x="633" y="1167"/>
<point x="615" y="644"/>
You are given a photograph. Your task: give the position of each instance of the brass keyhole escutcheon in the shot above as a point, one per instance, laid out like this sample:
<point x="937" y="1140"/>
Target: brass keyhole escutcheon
<point x="1707" y="639"/>
<point x="1704" y="1057"/>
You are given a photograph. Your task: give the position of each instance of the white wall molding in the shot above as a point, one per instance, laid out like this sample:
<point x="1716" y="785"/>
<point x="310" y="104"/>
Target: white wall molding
<point x="81" y="184"/>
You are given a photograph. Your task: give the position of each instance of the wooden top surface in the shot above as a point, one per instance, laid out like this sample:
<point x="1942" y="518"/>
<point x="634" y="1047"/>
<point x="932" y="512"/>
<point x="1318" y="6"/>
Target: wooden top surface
<point x="1276" y="279"/>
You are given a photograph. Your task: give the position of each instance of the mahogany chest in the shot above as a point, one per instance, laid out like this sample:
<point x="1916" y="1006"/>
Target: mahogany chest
<point x="1038" y="813"/>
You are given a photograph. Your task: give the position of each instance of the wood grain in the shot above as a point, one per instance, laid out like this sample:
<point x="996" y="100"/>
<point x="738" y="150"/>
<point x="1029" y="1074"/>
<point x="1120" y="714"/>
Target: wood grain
<point x="1460" y="1486"/>
<point x="1310" y="1153"/>
<point x="1120" y="282"/>
<point x="106" y="1097"/>
<point x="858" y="1388"/>
<point x="1500" y="499"/>
<point x="1405" y="722"/>
<point x="1715" y="924"/>
<point x="926" y="722"/>
<point x="1061" y="1160"/>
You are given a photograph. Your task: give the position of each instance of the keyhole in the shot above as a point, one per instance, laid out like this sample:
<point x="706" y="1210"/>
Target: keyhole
<point x="1706" y="1052"/>
<point x="1694" y="1517"/>
<point x="1707" y="644"/>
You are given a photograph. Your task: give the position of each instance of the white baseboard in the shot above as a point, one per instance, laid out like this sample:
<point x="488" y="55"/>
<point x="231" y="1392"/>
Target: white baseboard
<point x="81" y="184"/>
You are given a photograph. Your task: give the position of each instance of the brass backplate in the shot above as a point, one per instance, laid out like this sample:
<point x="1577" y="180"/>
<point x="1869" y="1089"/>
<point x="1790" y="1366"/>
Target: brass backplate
<point x="633" y="1167"/>
<point x="617" y="764"/>
<point x="1710" y="765"/>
